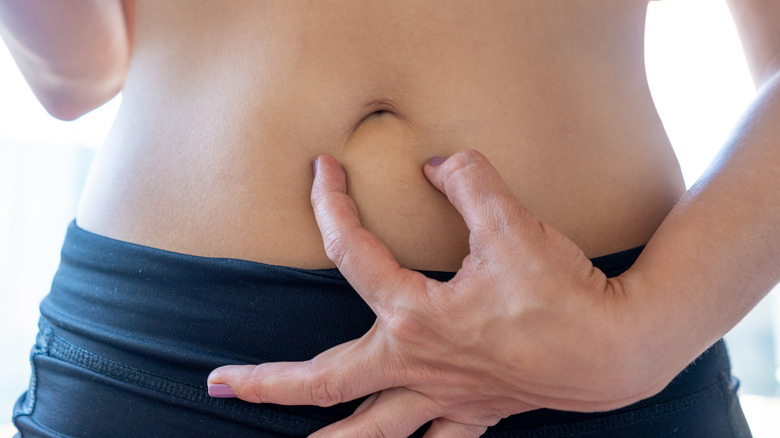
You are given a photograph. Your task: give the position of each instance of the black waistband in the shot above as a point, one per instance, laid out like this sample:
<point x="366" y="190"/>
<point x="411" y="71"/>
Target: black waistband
<point x="245" y="311"/>
<point x="184" y="315"/>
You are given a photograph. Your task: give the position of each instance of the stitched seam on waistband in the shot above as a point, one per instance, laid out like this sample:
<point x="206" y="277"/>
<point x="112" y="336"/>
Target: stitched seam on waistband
<point x="62" y="349"/>
<point x="41" y="348"/>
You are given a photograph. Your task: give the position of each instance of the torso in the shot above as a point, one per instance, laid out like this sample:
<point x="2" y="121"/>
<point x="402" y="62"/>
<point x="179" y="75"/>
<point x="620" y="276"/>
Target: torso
<point x="227" y="103"/>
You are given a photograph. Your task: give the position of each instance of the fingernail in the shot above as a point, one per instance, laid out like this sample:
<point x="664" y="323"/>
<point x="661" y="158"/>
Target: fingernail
<point x="220" y="390"/>
<point x="314" y="167"/>
<point x="435" y="161"/>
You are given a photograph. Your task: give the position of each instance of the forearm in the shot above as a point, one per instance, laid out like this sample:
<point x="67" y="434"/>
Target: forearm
<point x="718" y="252"/>
<point x="74" y="54"/>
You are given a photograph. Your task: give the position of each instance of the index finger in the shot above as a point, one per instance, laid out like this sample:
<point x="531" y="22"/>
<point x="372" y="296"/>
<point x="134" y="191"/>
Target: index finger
<point x="361" y="257"/>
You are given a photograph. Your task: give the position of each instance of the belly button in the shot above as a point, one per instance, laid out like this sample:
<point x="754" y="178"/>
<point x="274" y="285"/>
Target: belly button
<point x="376" y="113"/>
<point x="380" y="107"/>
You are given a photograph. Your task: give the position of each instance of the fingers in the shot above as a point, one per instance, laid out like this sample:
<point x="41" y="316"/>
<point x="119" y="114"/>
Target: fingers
<point x="343" y="373"/>
<point x="366" y="403"/>
<point x="444" y="428"/>
<point x="360" y="256"/>
<point x="396" y="412"/>
<point x="477" y="191"/>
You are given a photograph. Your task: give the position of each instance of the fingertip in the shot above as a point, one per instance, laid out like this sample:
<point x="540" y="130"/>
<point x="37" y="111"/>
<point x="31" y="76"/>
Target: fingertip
<point x="433" y="166"/>
<point x="220" y="390"/>
<point x="215" y="376"/>
<point x="326" y="161"/>
<point x="222" y="374"/>
<point x="328" y="174"/>
<point x="236" y="381"/>
<point x="436" y="161"/>
<point x="432" y="170"/>
<point x="217" y="382"/>
<point x="233" y="376"/>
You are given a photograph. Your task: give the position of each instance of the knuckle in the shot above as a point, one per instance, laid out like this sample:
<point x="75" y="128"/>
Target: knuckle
<point x="336" y="247"/>
<point x="316" y="199"/>
<point x="404" y="327"/>
<point x="258" y="376"/>
<point x="470" y="156"/>
<point x="321" y="199"/>
<point x="464" y="169"/>
<point x="321" y="204"/>
<point x="464" y="162"/>
<point x="324" y="392"/>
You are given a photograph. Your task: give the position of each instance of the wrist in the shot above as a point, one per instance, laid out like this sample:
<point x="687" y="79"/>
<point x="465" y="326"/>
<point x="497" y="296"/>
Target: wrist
<point x="651" y="341"/>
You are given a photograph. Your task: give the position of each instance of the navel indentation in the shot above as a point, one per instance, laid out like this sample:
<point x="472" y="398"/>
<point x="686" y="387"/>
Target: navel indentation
<point x="378" y="108"/>
<point x="374" y="110"/>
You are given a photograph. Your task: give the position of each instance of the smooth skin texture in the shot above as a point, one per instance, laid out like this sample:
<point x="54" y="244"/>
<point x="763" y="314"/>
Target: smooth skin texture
<point x="527" y="322"/>
<point x="226" y="104"/>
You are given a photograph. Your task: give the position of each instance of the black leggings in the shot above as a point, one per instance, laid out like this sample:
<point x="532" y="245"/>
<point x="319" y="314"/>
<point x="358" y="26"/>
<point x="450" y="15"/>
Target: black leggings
<point x="129" y="334"/>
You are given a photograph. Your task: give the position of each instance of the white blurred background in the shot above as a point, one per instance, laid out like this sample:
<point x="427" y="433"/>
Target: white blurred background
<point x="699" y="81"/>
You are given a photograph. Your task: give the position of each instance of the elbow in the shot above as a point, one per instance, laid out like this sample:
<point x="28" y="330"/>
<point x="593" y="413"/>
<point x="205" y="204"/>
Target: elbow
<point x="767" y="77"/>
<point x="66" y="110"/>
<point x="766" y="71"/>
<point x="67" y="92"/>
<point x="68" y="102"/>
<point x="63" y="110"/>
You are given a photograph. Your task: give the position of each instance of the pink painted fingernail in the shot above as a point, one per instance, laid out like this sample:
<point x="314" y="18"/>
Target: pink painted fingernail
<point x="314" y="167"/>
<point x="220" y="390"/>
<point x="435" y="161"/>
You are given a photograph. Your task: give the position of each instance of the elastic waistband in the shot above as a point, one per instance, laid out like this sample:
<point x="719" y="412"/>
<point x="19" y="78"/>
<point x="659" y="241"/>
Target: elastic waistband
<point x="184" y="309"/>
<point x="180" y="316"/>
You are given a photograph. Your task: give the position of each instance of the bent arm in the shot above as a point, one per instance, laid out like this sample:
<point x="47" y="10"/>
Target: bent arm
<point x="74" y="54"/>
<point x="758" y="23"/>
<point x="718" y="253"/>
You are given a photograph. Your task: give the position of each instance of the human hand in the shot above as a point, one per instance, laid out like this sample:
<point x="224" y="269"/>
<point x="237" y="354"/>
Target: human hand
<point x="526" y="322"/>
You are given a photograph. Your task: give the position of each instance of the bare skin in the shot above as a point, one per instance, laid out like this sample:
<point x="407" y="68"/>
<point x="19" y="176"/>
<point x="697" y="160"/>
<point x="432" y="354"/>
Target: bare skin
<point x="224" y="107"/>
<point x="531" y="322"/>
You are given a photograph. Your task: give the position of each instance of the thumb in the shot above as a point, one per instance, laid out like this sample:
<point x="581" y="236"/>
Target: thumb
<point x="480" y="195"/>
